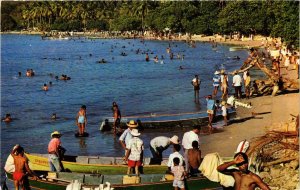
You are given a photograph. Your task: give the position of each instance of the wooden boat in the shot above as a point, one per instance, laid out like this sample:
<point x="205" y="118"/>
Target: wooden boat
<point x="60" y="181"/>
<point x="93" y="164"/>
<point x="164" y="120"/>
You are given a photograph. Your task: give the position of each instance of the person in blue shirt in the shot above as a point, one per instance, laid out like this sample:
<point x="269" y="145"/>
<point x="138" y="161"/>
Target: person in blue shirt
<point x="210" y="111"/>
<point x="216" y="82"/>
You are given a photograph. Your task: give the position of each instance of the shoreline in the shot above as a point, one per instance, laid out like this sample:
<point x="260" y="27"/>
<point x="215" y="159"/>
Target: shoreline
<point x="246" y="42"/>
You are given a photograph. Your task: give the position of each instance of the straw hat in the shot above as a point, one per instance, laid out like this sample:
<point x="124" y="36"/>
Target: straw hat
<point x="132" y="124"/>
<point x="217" y="72"/>
<point x="222" y="71"/>
<point x="135" y="133"/>
<point x="56" y="133"/>
<point x="174" y="139"/>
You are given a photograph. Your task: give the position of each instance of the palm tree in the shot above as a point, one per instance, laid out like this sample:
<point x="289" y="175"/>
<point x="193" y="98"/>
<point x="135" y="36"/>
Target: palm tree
<point x="141" y="9"/>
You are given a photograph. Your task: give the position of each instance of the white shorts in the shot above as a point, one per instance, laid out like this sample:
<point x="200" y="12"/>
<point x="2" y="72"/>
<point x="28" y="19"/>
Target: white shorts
<point x="178" y="183"/>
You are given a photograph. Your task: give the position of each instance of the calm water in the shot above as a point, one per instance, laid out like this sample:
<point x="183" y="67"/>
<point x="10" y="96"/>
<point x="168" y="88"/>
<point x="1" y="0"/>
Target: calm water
<point x="139" y="87"/>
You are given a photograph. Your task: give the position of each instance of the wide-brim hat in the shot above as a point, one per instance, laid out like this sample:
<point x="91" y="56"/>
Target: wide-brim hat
<point x="56" y="133"/>
<point x="132" y="124"/>
<point x="217" y="72"/>
<point x="174" y="139"/>
<point x="135" y="133"/>
<point x="222" y="71"/>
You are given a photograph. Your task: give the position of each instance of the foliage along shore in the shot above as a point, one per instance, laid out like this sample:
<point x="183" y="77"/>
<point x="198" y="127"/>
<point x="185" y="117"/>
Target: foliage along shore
<point x="267" y="18"/>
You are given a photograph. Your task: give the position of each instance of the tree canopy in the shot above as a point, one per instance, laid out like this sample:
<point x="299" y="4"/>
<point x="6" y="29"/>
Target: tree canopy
<point x="274" y="18"/>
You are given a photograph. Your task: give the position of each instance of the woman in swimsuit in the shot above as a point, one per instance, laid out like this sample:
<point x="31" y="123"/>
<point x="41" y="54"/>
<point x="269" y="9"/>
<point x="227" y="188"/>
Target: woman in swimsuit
<point x="81" y="120"/>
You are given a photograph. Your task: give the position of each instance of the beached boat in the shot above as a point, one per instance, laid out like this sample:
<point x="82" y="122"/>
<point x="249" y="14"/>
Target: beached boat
<point x="164" y="120"/>
<point x="60" y="181"/>
<point x="93" y="164"/>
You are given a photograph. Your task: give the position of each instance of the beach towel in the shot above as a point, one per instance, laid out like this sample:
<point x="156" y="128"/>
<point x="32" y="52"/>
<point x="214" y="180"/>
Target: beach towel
<point x="209" y="166"/>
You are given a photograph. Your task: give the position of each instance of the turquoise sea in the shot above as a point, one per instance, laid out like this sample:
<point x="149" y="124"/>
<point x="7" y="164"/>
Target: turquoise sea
<point x="139" y="87"/>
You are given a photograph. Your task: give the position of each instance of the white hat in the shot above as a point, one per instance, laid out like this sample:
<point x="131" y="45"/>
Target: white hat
<point x="135" y="133"/>
<point x="243" y="146"/>
<point x="58" y="134"/>
<point x="174" y="139"/>
<point x="217" y="72"/>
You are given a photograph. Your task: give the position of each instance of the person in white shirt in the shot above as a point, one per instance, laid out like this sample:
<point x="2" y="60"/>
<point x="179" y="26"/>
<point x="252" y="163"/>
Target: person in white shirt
<point x="176" y="149"/>
<point x="134" y="152"/>
<point x="158" y="145"/>
<point x="224" y="112"/>
<point x="237" y="84"/>
<point x="187" y="141"/>
<point x="126" y="135"/>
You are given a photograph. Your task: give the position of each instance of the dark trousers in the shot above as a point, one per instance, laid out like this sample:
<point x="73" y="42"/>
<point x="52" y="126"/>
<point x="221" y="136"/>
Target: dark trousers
<point x="238" y="92"/>
<point x="156" y="156"/>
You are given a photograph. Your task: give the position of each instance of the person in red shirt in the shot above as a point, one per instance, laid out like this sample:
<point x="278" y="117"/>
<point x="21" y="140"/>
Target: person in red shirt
<point x="55" y="152"/>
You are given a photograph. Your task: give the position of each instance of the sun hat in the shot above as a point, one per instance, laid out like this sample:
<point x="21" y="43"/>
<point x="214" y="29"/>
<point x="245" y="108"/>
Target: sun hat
<point x="16" y="146"/>
<point x="217" y="72"/>
<point x="243" y="146"/>
<point x="132" y="123"/>
<point x="135" y="133"/>
<point x="222" y="71"/>
<point x="174" y="139"/>
<point x="56" y="133"/>
<point x="223" y="103"/>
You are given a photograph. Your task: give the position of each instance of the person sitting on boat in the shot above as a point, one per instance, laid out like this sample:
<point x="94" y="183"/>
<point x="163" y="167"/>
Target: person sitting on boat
<point x="134" y="152"/>
<point x="179" y="174"/>
<point x="187" y="140"/>
<point x="126" y="135"/>
<point x="159" y="144"/>
<point x="7" y="118"/>
<point x="21" y="168"/>
<point x="54" y="151"/>
<point x="194" y="156"/>
<point x="176" y="153"/>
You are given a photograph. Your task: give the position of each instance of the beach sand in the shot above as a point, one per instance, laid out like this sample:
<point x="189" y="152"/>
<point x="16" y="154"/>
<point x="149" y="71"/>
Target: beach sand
<point x="272" y="110"/>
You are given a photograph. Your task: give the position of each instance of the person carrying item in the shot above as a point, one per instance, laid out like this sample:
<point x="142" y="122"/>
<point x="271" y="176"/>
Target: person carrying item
<point x="159" y="144"/>
<point x="244" y="179"/>
<point x="126" y="135"/>
<point x="134" y="152"/>
<point x="187" y="140"/>
<point x="55" y="151"/>
<point x="81" y="120"/>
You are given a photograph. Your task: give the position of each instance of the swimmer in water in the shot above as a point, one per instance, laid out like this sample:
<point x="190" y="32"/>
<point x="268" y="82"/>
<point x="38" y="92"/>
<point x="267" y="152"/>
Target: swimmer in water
<point x="53" y="117"/>
<point x="45" y="87"/>
<point x="7" y="118"/>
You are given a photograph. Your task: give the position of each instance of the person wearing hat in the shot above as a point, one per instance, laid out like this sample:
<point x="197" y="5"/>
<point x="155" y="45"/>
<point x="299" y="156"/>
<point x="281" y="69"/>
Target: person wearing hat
<point x="159" y="144"/>
<point x="196" y="83"/>
<point x="237" y="84"/>
<point x="54" y="147"/>
<point x="126" y="135"/>
<point x="134" y="152"/>
<point x="244" y="178"/>
<point x="216" y="82"/>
